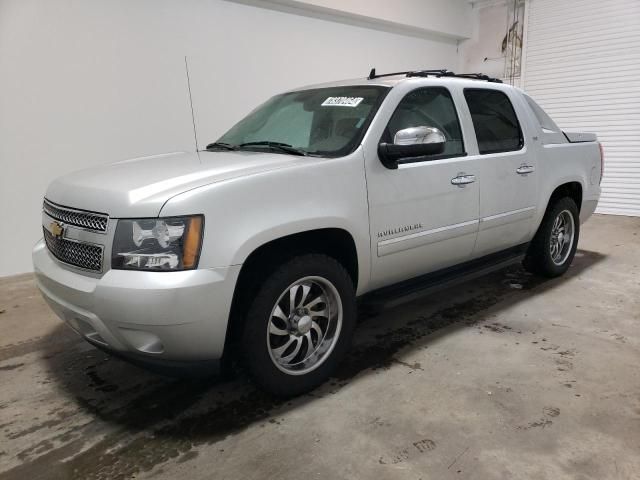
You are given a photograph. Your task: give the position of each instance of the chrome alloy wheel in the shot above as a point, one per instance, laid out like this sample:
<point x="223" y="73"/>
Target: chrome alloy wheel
<point x="304" y="326"/>
<point x="562" y="235"/>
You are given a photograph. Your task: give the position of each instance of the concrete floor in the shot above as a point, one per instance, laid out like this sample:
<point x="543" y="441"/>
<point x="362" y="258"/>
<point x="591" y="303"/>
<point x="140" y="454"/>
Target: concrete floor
<point x="507" y="377"/>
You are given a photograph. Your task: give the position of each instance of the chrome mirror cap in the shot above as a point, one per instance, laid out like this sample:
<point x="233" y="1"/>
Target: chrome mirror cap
<point x="411" y="142"/>
<point x="418" y="136"/>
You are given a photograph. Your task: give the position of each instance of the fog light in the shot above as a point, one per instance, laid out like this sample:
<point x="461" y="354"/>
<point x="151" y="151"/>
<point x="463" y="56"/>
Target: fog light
<point x="142" y="341"/>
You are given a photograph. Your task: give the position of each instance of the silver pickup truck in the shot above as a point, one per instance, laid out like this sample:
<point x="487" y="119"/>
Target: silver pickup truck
<point x="262" y="243"/>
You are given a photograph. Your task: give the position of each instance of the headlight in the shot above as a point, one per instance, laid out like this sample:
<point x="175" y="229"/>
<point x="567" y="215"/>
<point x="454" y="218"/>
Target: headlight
<point x="171" y="243"/>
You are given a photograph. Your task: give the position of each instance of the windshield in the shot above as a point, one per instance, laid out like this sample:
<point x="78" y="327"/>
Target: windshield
<point x="324" y="122"/>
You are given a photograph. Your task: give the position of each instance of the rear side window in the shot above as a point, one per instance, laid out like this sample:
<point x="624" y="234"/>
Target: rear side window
<point x="428" y="107"/>
<point x="494" y="120"/>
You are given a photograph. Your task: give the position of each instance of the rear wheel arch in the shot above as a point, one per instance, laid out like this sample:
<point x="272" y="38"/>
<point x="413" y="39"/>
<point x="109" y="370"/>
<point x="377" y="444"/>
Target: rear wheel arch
<point x="540" y="254"/>
<point x="572" y="190"/>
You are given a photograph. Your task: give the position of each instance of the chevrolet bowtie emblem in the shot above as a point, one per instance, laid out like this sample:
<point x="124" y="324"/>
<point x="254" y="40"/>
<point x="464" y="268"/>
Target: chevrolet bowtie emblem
<point x="56" y="229"/>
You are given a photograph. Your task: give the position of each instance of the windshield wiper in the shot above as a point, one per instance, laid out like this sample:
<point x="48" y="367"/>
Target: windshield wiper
<point x="222" y="145"/>
<point x="283" y="147"/>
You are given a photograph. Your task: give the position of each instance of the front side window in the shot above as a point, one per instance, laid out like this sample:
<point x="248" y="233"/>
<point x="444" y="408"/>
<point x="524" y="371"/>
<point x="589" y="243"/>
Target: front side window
<point x="494" y="120"/>
<point x="324" y="121"/>
<point x="428" y="107"/>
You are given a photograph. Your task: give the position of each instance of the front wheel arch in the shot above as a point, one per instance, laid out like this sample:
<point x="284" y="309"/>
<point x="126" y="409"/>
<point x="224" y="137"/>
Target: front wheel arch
<point x="336" y="243"/>
<point x="256" y="344"/>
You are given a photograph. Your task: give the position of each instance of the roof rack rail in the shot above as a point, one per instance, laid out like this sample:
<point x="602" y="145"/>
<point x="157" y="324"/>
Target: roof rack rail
<point x="435" y="73"/>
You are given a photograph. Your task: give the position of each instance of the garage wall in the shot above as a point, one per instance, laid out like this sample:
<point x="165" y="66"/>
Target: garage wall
<point x="441" y="17"/>
<point x="483" y="51"/>
<point x="582" y="64"/>
<point x="86" y="82"/>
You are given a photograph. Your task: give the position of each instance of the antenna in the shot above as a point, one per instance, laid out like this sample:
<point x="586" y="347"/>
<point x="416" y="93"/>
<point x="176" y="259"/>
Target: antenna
<point x="193" y="117"/>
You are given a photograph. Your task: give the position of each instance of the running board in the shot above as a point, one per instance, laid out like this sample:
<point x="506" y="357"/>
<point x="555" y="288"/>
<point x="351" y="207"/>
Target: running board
<point x="423" y="285"/>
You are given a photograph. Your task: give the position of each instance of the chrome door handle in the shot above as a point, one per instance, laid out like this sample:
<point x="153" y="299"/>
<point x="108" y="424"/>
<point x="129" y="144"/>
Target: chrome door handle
<point x="524" y="169"/>
<point x="462" y="179"/>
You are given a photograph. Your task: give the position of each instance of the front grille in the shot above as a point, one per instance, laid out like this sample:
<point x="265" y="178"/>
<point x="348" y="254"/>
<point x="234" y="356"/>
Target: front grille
<point x="89" y="220"/>
<point x="83" y="255"/>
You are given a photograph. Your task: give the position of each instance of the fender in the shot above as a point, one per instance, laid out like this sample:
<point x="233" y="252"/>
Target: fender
<point x="244" y="213"/>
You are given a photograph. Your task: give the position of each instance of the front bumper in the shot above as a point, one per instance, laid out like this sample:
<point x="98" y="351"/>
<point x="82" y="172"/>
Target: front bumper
<point x="156" y="317"/>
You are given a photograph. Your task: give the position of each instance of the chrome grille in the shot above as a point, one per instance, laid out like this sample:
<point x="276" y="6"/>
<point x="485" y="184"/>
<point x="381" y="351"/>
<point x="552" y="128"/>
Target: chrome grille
<point x="83" y="255"/>
<point x="79" y="218"/>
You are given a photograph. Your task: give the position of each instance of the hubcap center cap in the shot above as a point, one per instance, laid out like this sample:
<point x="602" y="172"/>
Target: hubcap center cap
<point x="304" y="324"/>
<point x="301" y="322"/>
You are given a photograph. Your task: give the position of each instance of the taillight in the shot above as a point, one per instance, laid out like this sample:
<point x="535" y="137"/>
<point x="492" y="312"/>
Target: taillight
<point x="601" y="162"/>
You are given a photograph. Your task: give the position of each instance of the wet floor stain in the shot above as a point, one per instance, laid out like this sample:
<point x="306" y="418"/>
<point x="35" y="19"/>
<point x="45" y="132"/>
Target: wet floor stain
<point x="544" y="421"/>
<point x="13" y="366"/>
<point x="161" y="419"/>
<point x="401" y="455"/>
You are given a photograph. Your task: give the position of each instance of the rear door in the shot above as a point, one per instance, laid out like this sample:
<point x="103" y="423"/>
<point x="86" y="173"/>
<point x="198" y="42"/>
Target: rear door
<point x="507" y="170"/>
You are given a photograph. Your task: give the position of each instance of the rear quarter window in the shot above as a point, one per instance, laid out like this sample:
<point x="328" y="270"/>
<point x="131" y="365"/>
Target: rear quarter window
<point x="545" y="120"/>
<point x="494" y="120"/>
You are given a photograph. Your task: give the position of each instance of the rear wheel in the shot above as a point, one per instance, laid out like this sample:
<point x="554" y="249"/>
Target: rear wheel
<point x="299" y="325"/>
<point x="554" y="245"/>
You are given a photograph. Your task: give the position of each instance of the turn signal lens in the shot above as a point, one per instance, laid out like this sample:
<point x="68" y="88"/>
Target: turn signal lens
<point x="191" y="249"/>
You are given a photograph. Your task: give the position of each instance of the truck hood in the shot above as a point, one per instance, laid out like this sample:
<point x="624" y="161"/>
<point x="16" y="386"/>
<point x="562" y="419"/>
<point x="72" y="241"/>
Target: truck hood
<point x="140" y="187"/>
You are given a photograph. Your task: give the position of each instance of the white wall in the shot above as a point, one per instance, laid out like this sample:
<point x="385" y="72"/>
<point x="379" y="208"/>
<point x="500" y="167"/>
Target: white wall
<point x="89" y="82"/>
<point x="489" y="25"/>
<point x="449" y="18"/>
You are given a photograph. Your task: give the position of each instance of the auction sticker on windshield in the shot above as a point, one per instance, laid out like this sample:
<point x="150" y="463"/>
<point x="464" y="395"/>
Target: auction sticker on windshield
<point x="342" y="102"/>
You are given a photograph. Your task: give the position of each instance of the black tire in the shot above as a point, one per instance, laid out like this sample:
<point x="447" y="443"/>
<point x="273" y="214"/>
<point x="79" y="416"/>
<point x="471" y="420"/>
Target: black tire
<point x="539" y="259"/>
<point x="256" y="348"/>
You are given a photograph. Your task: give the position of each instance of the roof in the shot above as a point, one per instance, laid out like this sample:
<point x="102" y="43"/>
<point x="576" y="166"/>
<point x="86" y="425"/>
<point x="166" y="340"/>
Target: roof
<point x="393" y="79"/>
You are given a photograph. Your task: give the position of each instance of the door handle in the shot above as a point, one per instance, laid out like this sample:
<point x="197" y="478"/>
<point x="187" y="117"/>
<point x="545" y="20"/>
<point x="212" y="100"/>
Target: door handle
<point x="524" y="169"/>
<point x="462" y="179"/>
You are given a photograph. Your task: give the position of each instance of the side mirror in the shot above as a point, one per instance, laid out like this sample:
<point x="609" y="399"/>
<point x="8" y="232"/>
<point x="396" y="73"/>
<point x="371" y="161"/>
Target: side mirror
<point x="411" y="142"/>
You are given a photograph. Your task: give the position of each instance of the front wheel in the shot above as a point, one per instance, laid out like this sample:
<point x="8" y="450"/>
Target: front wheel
<point x="554" y="245"/>
<point x="299" y="325"/>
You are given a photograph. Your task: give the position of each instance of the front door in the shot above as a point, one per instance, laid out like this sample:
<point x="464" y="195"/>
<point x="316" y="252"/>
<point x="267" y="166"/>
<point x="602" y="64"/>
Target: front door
<point x="424" y="215"/>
